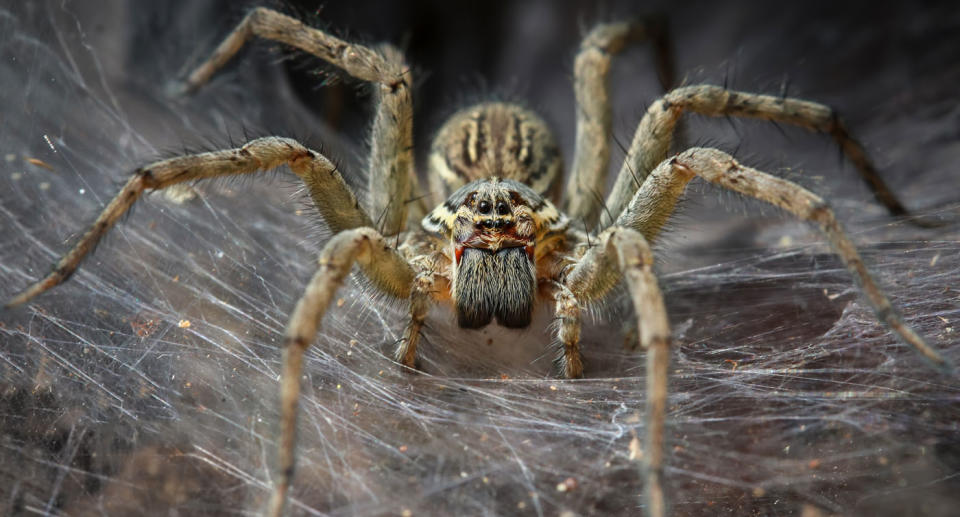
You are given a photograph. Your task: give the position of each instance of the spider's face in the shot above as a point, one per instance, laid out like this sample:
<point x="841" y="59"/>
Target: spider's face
<point x="494" y="227"/>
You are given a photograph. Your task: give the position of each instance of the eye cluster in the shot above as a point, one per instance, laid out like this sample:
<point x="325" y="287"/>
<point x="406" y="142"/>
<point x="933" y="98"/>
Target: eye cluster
<point x="499" y="208"/>
<point x="485" y="207"/>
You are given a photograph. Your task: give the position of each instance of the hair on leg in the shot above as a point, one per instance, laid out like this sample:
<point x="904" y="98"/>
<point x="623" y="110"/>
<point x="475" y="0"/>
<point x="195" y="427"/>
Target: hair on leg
<point x="334" y="199"/>
<point x="651" y="141"/>
<point x="364" y="246"/>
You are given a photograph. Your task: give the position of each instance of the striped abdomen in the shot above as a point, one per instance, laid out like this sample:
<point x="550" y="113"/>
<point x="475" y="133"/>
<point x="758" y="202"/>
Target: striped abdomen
<point x="496" y="139"/>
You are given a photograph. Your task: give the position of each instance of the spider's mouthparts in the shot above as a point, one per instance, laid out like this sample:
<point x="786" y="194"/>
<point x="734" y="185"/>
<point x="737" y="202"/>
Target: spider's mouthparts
<point x="489" y="236"/>
<point x="494" y="284"/>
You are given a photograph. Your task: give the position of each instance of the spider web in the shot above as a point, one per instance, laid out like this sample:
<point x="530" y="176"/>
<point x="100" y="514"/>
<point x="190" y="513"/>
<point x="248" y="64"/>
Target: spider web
<point x="148" y="383"/>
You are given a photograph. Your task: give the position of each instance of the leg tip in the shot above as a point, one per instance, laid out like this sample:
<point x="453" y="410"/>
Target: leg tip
<point x="566" y="368"/>
<point x="17" y="301"/>
<point x="178" y="89"/>
<point x="945" y="367"/>
<point x="414" y="368"/>
<point x="928" y="222"/>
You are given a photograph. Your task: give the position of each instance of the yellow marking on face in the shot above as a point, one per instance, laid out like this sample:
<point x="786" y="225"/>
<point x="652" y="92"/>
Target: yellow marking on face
<point x="533" y="221"/>
<point x="440" y="220"/>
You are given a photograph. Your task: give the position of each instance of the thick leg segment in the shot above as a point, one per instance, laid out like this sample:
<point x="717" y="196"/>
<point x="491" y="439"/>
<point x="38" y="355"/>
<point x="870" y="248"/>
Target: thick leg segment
<point x="636" y="262"/>
<point x="625" y="252"/>
<point x="363" y="246"/>
<point x="356" y="60"/>
<point x="390" y="167"/>
<point x="591" y="69"/>
<point x="654" y="203"/>
<point x="570" y="363"/>
<point x="652" y="139"/>
<point x="421" y="293"/>
<point x="720" y="168"/>
<point x="333" y="198"/>
<point x="391" y="177"/>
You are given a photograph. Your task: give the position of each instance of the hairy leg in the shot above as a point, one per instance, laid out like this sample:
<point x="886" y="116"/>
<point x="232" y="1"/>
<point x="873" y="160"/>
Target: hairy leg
<point x="421" y="292"/>
<point x="366" y="247"/>
<point x="720" y="168"/>
<point x="569" y="362"/>
<point x="591" y="69"/>
<point x="651" y="142"/>
<point x="623" y="252"/>
<point x="390" y="165"/>
<point x="335" y="201"/>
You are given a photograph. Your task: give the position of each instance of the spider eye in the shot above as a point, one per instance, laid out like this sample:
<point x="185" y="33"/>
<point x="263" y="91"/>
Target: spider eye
<point x="484" y="207"/>
<point x="503" y="208"/>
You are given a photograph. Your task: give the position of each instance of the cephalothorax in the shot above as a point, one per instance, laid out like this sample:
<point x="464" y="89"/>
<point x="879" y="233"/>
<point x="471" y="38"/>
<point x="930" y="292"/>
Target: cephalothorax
<point x="504" y="239"/>
<point x="497" y="230"/>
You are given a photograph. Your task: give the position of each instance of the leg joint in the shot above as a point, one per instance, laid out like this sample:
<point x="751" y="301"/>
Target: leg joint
<point x="147" y="179"/>
<point x="296" y="341"/>
<point x="886" y="314"/>
<point x="820" y="211"/>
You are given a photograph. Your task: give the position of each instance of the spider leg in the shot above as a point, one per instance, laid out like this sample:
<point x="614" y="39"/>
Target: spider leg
<point x="720" y="168"/>
<point x="591" y="70"/>
<point x="651" y="142"/>
<point x="625" y="252"/>
<point x="570" y="363"/>
<point x="421" y="293"/>
<point x="333" y="198"/>
<point x="366" y="247"/>
<point x="391" y="177"/>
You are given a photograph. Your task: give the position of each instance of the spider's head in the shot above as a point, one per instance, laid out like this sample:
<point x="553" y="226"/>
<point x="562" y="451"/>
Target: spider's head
<point x="494" y="227"/>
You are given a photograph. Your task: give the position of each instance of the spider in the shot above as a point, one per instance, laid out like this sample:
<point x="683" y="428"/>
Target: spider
<point x="499" y="245"/>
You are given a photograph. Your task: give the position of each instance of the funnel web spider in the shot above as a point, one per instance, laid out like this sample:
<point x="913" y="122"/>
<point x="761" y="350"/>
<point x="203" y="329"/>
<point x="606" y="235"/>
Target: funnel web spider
<point x="504" y="238"/>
